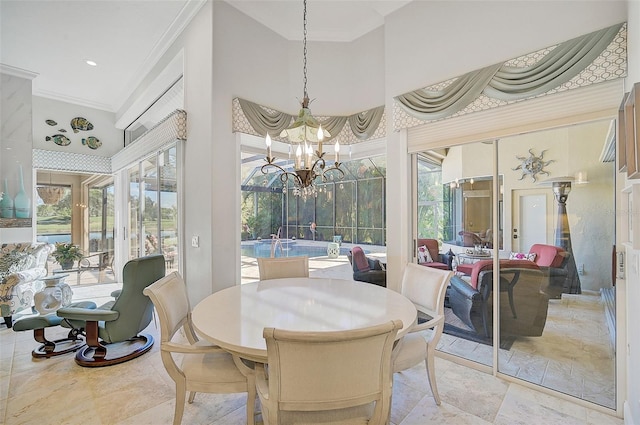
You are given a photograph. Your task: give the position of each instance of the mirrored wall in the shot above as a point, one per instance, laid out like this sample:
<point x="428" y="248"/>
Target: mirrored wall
<point x="550" y="195"/>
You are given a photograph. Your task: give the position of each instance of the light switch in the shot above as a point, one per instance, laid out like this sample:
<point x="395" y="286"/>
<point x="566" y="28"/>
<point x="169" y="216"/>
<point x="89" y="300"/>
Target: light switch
<point x="195" y="241"/>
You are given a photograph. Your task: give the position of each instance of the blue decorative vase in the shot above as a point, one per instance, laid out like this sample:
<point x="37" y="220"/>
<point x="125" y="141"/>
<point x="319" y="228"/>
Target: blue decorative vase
<point x="22" y="202"/>
<point x="6" y="205"/>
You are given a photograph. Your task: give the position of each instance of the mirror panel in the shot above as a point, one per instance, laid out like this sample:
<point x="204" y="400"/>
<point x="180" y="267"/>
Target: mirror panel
<point x="555" y="310"/>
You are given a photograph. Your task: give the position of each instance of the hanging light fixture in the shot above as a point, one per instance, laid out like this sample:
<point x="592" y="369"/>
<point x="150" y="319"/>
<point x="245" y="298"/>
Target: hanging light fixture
<point x="304" y="133"/>
<point x="50" y="195"/>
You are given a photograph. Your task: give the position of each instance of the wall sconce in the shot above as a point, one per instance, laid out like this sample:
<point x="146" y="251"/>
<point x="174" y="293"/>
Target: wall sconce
<point x="581" y="177"/>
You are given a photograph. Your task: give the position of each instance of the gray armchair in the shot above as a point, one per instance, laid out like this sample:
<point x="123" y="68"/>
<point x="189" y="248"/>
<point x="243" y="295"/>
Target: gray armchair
<point x="121" y="320"/>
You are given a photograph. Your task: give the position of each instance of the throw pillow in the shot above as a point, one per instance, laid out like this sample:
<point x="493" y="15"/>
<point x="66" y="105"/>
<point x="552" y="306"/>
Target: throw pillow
<point x="522" y="256"/>
<point x="423" y="255"/>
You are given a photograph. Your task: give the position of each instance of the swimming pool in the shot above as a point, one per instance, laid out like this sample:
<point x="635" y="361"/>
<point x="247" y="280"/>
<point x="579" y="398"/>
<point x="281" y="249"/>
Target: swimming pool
<point x="290" y="248"/>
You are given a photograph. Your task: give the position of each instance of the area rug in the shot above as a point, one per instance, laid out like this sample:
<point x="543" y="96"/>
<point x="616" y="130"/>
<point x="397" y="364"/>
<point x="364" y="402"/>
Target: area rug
<point x="455" y="327"/>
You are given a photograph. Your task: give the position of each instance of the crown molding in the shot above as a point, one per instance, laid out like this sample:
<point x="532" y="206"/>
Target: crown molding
<point x="17" y="72"/>
<point x="159" y="85"/>
<point x="71" y="99"/>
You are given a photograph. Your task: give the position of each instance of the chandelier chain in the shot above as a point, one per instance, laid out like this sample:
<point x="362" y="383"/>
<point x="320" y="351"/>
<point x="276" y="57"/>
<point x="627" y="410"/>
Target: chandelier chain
<point x="309" y="166"/>
<point x="304" y="49"/>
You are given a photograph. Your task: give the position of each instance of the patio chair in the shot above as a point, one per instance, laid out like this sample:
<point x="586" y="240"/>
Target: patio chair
<point x="366" y="269"/>
<point x="105" y="261"/>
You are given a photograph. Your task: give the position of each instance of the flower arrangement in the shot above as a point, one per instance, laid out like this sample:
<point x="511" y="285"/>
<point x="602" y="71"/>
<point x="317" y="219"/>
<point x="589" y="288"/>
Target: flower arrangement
<point x="67" y="253"/>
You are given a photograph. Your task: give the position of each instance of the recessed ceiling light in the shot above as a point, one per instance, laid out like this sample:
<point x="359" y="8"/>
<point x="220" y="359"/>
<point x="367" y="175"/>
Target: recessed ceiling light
<point x="92" y="63"/>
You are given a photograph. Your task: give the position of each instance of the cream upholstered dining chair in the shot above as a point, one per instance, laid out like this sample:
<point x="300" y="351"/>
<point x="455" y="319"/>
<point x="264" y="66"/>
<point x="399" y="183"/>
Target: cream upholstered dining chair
<point x="327" y="377"/>
<point x="204" y="368"/>
<point x="281" y="267"/>
<point x="426" y="288"/>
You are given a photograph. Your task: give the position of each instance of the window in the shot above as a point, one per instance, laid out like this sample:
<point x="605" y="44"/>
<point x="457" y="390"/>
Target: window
<point x="153" y="206"/>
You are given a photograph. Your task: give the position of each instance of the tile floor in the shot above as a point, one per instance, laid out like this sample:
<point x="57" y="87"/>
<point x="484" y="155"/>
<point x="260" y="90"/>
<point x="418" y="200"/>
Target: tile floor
<point x="57" y="391"/>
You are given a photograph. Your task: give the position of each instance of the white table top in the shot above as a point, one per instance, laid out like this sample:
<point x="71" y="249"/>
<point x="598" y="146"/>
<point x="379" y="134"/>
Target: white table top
<point x="234" y="318"/>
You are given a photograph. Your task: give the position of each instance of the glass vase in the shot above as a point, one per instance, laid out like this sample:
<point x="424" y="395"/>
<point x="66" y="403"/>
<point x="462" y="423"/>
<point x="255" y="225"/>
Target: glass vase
<point x="22" y="202"/>
<point x="6" y="204"/>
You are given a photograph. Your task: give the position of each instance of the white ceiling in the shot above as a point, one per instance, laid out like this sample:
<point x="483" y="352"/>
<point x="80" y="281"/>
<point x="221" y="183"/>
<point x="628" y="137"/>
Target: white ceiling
<point x="54" y="38"/>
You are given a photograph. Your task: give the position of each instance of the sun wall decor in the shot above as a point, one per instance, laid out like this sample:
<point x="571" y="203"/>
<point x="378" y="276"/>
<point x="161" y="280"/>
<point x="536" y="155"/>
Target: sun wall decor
<point x="532" y="165"/>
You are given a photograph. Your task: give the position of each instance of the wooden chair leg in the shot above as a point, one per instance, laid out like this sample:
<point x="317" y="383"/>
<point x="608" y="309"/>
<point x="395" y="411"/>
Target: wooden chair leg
<point x="431" y="374"/>
<point x="181" y="391"/>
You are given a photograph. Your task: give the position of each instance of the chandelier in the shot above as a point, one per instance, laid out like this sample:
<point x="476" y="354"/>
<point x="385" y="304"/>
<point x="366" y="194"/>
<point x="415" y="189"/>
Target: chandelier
<point x="50" y="194"/>
<point x="304" y="133"/>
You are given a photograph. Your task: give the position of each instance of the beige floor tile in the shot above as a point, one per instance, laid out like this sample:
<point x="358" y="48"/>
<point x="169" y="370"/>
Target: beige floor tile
<point x="460" y="386"/>
<point x="426" y="413"/>
<point x="141" y="392"/>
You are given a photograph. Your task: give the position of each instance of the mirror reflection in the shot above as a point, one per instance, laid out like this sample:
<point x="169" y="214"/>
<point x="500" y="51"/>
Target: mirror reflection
<point x="554" y="246"/>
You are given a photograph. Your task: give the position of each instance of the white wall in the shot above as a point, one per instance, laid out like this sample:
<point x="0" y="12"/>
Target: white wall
<point x="342" y="78"/>
<point x="429" y="42"/>
<point x="62" y="113"/>
<point x="632" y="284"/>
<point x="15" y="146"/>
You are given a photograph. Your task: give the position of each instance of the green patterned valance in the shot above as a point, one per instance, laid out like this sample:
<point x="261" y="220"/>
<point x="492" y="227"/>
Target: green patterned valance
<point x="251" y="118"/>
<point x="592" y="58"/>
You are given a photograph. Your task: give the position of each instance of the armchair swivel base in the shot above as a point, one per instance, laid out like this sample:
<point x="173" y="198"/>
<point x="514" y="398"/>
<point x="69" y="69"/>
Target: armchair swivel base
<point x="97" y="354"/>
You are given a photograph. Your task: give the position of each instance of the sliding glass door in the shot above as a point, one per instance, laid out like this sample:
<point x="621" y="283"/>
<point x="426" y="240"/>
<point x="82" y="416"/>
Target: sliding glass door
<point x="153" y="206"/>
<point x="530" y="221"/>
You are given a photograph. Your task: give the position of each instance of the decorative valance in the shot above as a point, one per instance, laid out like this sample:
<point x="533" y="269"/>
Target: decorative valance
<point x="589" y="59"/>
<point x="171" y="128"/>
<point x="69" y="161"/>
<point x="251" y="118"/>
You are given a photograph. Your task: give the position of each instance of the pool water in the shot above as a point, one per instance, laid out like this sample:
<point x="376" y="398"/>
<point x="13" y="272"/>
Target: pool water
<point x="289" y="249"/>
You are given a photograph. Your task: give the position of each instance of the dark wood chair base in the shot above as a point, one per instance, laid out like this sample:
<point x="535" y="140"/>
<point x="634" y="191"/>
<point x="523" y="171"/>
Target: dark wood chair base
<point x="115" y="353"/>
<point x="55" y="348"/>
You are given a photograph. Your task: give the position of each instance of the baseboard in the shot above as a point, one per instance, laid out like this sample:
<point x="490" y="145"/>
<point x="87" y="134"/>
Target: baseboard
<point x="628" y="418"/>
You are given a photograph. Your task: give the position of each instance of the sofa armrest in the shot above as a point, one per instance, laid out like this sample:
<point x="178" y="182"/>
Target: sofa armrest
<point x="25" y="276"/>
<point x="554" y="271"/>
<point x="462" y="287"/>
<point x="465" y="301"/>
<point x="377" y="277"/>
<point x="374" y="264"/>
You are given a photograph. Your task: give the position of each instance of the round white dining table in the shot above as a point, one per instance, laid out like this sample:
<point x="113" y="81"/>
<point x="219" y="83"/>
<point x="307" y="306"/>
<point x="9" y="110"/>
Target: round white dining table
<point x="235" y="317"/>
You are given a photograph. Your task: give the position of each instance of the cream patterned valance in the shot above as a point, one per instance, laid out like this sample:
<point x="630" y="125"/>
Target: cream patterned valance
<point x="251" y="118"/>
<point x="590" y="59"/>
<point x="173" y="127"/>
<point x="69" y="161"/>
